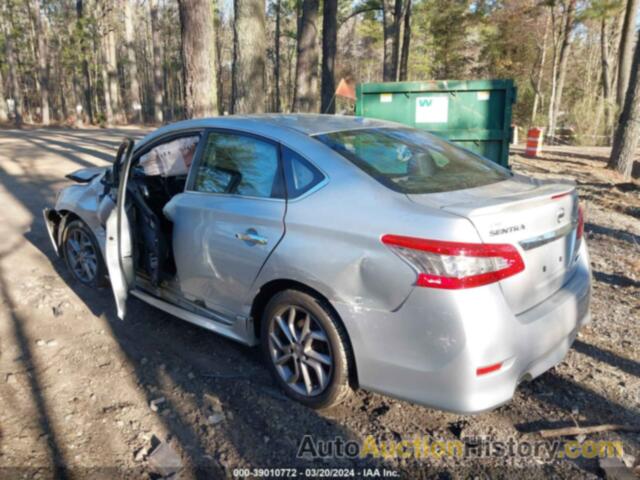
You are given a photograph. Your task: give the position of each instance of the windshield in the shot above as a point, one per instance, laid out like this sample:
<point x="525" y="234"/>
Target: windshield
<point x="411" y="161"/>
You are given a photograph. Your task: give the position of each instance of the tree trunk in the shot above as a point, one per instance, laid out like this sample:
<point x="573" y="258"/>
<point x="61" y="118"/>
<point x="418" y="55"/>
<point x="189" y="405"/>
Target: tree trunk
<point x="220" y="93"/>
<point x="276" y="59"/>
<point x="112" y="72"/>
<point x="134" y="107"/>
<point x="537" y="87"/>
<point x="94" y="67"/>
<point x="606" y="75"/>
<point x="108" y="110"/>
<point x="6" y="25"/>
<point x="86" y="74"/>
<point x="554" y="66"/>
<point x="329" y="41"/>
<point x="157" y="62"/>
<point x="248" y="83"/>
<point x="563" y="58"/>
<point x="4" y="114"/>
<point x="306" y="93"/>
<point x="42" y="55"/>
<point x="625" y="141"/>
<point x="403" y="74"/>
<point x="198" y="58"/>
<point x="625" y="51"/>
<point x="391" y="13"/>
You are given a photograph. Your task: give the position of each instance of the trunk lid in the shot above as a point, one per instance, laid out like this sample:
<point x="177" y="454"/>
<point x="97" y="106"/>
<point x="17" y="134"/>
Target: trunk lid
<point x="538" y="217"/>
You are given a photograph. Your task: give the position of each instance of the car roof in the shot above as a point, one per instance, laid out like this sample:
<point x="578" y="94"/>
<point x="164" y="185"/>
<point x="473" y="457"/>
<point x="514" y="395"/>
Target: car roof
<point x="305" y="123"/>
<point x="314" y="124"/>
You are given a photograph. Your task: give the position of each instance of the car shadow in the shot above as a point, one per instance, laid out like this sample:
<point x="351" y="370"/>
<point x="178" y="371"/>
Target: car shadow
<point x="632" y="367"/>
<point x="618" y="234"/>
<point x="589" y="407"/>
<point x="594" y="407"/>
<point x="615" y="279"/>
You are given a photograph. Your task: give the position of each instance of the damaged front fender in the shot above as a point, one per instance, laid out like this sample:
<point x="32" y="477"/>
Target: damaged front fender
<point x="52" y="220"/>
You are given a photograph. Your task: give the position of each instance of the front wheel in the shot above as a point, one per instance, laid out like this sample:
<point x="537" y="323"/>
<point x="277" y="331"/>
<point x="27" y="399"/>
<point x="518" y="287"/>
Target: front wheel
<point x="306" y="348"/>
<point x="82" y="254"/>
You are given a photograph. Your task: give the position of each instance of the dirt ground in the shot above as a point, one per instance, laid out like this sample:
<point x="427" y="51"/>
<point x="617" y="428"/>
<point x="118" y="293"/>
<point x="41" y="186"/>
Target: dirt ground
<point x="78" y="387"/>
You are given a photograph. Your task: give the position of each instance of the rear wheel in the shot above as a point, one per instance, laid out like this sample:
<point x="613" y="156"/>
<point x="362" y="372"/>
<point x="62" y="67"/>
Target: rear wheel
<point x="306" y="349"/>
<point x="82" y="254"/>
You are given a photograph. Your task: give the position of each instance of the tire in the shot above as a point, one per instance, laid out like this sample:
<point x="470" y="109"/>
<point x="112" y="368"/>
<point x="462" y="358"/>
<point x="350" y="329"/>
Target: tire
<point x="80" y="249"/>
<point x="324" y="339"/>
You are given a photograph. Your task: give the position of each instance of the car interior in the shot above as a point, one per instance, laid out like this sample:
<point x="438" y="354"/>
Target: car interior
<point x="156" y="177"/>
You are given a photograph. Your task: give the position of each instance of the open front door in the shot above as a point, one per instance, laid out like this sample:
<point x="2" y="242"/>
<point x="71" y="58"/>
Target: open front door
<point x="119" y="248"/>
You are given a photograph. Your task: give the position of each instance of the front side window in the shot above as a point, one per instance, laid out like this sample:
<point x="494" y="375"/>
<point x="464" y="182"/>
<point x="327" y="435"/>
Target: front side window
<point x="413" y="162"/>
<point x="170" y="159"/>
<point x="238" y="164"/>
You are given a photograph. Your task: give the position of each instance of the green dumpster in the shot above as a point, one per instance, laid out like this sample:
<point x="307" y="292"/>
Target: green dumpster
<point x="474" y="114"/>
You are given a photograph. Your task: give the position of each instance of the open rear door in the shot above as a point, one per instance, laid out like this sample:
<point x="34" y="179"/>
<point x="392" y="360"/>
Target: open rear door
<point x="119" y="247"/>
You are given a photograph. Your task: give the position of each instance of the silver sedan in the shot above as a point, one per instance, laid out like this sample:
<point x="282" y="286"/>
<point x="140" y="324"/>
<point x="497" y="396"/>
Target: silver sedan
<point x="357" y="253"/>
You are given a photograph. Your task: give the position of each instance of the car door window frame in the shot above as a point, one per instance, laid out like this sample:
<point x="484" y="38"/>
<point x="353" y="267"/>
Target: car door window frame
<point x="198" y="158"/>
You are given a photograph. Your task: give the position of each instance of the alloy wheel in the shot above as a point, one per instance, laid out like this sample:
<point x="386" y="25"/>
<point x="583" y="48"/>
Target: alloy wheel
<point x="300" y="351"/>
<point x="82" y="255"/>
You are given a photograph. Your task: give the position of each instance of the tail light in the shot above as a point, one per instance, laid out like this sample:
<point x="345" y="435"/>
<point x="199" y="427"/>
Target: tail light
<point x="455" y="265"/>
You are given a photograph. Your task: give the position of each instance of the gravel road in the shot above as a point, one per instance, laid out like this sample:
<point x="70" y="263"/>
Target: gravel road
<point x="85" y="394"/>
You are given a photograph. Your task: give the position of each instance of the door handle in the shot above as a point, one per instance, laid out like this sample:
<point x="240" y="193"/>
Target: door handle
<point x="251" y="236"/>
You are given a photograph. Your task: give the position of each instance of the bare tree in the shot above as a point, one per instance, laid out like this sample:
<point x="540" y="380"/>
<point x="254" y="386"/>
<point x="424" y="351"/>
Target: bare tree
<point x="222" y="31"/>
<point x="84" y="50"/>
<point x="15" y="81"/>
<point x="563" y="58"/>
<point x="157" y="61"/>
<point x="606" y="73"/>
<point x="391" y="16"/>
<point x="306" y="92"/>
<point x="42" y="55"/>
<point x="406" y="42"/>
<point x="627" y="134"/>
<point x="625" y="51"/>
<point x="198" y="57"/>
<point x="134" y="106"/>
<point x="329" y="41"/>
<point x="104" y="73"/>
<point x="4" y="114"/>
<point x="537" y="84"/>
<point x="110" y="54"/>
<point x="276" y="59"/>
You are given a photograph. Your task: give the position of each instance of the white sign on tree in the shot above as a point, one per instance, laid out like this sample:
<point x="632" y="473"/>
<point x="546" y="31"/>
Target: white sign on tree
<point x="434" y="109"/>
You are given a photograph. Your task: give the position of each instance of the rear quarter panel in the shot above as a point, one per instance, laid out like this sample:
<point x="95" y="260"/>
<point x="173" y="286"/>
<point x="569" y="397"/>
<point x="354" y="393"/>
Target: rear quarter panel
<point x="332" y="237"/>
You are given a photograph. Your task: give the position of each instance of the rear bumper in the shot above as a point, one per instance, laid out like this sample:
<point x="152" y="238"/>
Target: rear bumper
<point x="427" y="351"/>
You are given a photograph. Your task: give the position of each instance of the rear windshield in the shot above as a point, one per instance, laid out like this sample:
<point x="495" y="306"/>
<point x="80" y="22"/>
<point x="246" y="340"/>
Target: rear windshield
<point x="411" y="161"/>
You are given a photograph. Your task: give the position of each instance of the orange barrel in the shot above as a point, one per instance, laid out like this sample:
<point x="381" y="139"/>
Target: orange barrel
<point x="534" y="142"/>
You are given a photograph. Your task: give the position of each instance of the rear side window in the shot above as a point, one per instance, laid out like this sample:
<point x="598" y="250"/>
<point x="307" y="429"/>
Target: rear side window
<point x="301" y="175"/>
<point x="413" y="162"/>
<point x="239" y="164"/>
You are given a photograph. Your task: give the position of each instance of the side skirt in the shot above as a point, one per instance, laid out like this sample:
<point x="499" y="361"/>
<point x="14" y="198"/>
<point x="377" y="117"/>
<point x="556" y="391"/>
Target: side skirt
<point x="235" y="331"/>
